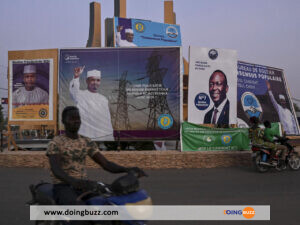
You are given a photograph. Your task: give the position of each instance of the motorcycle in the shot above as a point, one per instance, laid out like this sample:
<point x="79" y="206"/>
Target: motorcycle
<point x="124" y="190"/>
<point x="264" y="160"/>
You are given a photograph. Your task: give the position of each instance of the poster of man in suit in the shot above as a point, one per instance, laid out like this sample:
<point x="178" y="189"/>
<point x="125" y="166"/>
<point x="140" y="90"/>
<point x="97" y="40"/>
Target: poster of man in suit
<point x="212" y="86"/>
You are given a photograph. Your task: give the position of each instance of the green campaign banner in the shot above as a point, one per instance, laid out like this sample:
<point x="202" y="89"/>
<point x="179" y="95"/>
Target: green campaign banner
<point x="199" y="138"/>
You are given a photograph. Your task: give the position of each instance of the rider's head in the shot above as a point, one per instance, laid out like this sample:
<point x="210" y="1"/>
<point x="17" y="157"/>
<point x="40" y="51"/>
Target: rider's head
<point x="267" y="124"/>
<point x="71" y="119"/>
<point x="254" y="120"/>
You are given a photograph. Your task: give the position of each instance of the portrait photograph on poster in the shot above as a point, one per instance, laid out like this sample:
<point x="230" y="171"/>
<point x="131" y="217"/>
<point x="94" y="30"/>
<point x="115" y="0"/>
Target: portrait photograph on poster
<point x="31" y="89"/>
<point x="123" y="93"/>
<point x="212" y="86"/>
<point x="263" y="93"/>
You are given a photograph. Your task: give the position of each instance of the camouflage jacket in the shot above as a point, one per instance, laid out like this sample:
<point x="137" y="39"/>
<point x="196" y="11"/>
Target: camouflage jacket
<point x="257" y="138"/>
<point x="73" y="154"/>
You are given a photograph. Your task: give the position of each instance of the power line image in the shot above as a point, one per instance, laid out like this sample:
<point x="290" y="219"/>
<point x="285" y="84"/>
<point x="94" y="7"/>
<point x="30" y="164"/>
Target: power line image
<point x="121" y="119"/>
<point x="158" y="104"/>
<point x="153" y="90"/>
<point x="139" y="85"/>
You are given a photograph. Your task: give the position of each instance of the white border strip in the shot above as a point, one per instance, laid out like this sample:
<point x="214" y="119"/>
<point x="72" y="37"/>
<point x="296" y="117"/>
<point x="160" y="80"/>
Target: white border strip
<point x="155" y="212"/>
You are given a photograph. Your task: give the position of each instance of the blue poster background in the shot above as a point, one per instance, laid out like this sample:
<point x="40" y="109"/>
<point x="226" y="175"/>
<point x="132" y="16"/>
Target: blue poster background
<point x="254" y="98"/>
<point x="148" y="33"/>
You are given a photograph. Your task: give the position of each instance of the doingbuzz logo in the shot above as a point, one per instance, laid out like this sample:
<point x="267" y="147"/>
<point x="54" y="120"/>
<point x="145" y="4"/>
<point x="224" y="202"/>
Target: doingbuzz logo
<point x="247" y="212"/>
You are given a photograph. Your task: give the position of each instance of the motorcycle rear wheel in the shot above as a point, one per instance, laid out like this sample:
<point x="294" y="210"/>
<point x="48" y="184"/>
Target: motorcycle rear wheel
<point x="259" y="167"/>
<point x="294" y="161"/>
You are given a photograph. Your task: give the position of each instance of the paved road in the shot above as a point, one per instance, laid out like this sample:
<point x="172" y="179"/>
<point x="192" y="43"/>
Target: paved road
<point x="219" y="186"/>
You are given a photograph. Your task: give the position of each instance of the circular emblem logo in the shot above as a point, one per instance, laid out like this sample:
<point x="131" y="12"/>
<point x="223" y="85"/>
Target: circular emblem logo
<point x="165" y="121"/>
<point x="43" y="113"/>
<point x="202" y="101"/>
<point x="251" y="105"/>
<point x="172" y="32"/>
<point x="226" y="139"/>
<point x="208" y="139"/>
<point x="139" y="27"/>
<point x="213" y="54"/>
<point x="66" y="57"/>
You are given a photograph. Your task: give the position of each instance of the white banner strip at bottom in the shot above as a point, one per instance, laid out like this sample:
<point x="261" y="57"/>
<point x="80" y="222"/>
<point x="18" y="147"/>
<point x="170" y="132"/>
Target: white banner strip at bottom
<point x="151" y="212"/>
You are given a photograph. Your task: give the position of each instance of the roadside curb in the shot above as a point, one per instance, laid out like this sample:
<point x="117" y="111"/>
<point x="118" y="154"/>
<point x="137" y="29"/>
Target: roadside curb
<point x="143" y="159"/>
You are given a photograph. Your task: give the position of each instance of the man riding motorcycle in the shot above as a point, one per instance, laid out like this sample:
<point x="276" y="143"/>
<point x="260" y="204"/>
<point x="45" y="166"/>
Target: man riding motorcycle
<point x="258" y="138"/>
<point x="67" y="155"/>
<point x="271" y="135"/>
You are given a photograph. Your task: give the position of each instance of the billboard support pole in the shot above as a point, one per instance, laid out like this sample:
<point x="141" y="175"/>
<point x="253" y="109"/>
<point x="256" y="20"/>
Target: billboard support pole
<point x="95" y="25"/>
<point x="169" y="15"/>
<point x="120" y="8"/>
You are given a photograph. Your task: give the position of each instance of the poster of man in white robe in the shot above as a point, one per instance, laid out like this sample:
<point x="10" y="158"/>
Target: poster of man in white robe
<point x="31" y="89"/>
<point x="123" y="93"/>
<point x="263" y="92"/>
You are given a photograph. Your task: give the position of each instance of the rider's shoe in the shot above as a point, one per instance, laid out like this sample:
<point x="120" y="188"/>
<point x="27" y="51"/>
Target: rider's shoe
<point x="282" y="164"/>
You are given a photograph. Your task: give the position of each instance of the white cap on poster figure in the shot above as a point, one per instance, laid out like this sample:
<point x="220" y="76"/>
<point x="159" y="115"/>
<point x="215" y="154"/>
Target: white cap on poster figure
<point x="129" y="31"/>
<point x="281" y="97"/>
<point x="94" y="73"/>
<point x="29" y="69"/>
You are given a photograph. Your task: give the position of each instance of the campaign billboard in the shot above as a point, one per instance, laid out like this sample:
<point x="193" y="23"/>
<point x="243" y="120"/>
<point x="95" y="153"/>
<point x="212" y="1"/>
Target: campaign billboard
<point x="31" y="90"/>
<point x="212" y="86"/>
<point x="263" y="92"/>
<point x="123" y="93"/>
<point x="141" y="33"/>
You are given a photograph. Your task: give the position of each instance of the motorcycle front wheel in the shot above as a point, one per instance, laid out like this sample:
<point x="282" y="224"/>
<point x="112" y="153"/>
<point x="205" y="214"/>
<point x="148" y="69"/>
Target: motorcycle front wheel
<point x="294" y="161"/>
<point x="261" y="168"/>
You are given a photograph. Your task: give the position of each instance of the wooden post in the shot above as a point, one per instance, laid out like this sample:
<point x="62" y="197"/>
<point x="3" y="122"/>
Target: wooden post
<point x="185" y="88"/>
<point x="120" y="8"/>
<point x="169" y="15"/>
<point x="95" y="25"/>
<point x="170" y="18"/>
<point x="10" y="139"/>
<point x="174" y="18"/>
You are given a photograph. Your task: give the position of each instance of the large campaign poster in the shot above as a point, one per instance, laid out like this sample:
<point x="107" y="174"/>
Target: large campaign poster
<point x="263" y="92"/>
<point x="212" y="86"/>
<point x="31" y="90"/>
<point x="144" y="33"/>
<point x="123" y="93"/>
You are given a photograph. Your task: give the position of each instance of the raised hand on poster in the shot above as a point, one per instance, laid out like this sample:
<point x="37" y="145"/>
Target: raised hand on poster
<point x="268" y="85"/>
<point x="119" y="28"/>
<point x="78" y="71"/>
